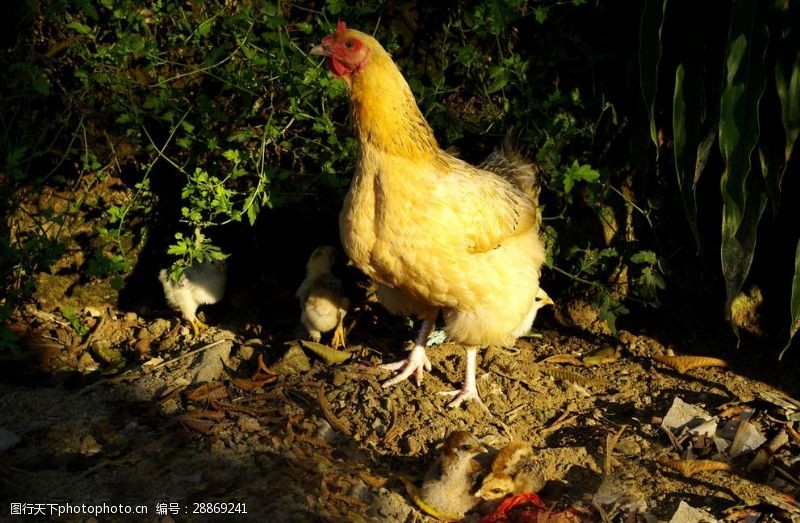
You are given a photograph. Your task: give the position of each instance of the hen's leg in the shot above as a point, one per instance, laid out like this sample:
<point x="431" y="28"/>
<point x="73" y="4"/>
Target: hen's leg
<point x="416" y="363"/>
<point x="469" y="391"/>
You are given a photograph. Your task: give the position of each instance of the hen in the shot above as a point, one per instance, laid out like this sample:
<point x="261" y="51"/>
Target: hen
<point x="436" y="232"/>
<point x="323" y="304"/>
<point x="201" y="284"/>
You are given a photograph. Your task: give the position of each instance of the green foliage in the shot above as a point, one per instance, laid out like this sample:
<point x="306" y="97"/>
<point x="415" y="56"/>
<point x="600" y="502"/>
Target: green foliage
<point x="72" y="317"/>
<point x="754" y="70"/>
<point x="222" y="101"/>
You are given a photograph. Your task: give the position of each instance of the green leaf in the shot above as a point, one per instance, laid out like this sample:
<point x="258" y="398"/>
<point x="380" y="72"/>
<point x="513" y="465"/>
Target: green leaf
<point x="685" y="130"/>
<point x="794" y="326"/>
<point x="744" y="81"/>
<point x="252" y="213"/>
<point x="738" y="242"/>
<point x="81" y="28"/>
<point x="578" y="172"/>
<point x="649" y="56"/>
<point x="40" y="83"/>
<point x="787" y="83"/>
<point x="687" y="115"/>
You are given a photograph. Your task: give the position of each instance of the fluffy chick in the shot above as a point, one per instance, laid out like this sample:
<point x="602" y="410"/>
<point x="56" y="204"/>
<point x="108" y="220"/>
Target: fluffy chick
<point x="449" y="483"/>
<point x="201" y="284"/>
<point x="512" y="473"/>
<point x="542" y="300"/>
<point x="323" y="304"/>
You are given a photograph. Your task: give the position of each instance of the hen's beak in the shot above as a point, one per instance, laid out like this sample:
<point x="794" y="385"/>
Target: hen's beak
<point x="321" y="50"/>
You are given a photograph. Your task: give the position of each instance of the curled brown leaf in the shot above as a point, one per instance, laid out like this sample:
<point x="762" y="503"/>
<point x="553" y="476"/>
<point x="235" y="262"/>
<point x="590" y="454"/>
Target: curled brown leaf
<point x="690" y="467"/>
<point x="685" y="363"/>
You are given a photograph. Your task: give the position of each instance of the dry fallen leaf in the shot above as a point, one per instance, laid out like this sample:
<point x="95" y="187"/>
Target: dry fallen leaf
<point x="329" y="355"/>
<point x="690" y="467"/>
<point x="293" y="361"/>
<point x="212" y="390"/>
<point x="685" y="363"/>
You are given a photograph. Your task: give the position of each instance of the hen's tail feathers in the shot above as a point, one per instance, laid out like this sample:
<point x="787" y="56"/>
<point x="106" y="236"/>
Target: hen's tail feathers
<point x="508" y="162"/>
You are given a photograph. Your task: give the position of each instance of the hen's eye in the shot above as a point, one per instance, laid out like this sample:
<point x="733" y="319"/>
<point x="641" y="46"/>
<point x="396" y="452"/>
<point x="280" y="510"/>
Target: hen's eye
<point x="349" y="44"/>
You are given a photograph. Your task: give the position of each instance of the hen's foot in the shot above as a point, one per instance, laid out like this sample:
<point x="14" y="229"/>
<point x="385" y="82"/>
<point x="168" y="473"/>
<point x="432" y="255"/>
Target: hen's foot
<point x="416" y="363"/>
<point x="465" y="394"/>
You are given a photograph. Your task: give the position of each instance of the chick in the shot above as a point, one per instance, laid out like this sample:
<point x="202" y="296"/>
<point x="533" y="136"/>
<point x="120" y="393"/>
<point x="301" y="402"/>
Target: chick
<point x="449" y="483"/>
<point x="201" y="284"/>
<point x="512" y="473"/>
<point x="542" y="299"/>
<point x="323" y="304"/>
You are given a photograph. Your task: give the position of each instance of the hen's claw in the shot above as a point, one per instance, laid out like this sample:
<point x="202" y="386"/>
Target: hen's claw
<point x="416" y="363"/>
<point x="469" y="391"/>
<point x="464" y="395"/>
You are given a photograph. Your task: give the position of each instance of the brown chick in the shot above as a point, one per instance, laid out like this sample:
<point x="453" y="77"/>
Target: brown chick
<point x="512" y="473"/>
<point x="449" y="483"/>
<point x="323" y="304"/>
<point x="201" y="284"/>
<point x="443" y="234"/>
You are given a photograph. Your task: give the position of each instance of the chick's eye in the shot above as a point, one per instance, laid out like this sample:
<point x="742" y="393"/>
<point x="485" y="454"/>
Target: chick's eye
<point x="349" y="44"/>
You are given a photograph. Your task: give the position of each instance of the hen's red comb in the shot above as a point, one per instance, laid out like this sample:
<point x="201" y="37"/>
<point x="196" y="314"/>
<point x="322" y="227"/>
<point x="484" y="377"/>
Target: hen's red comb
<point x="341" y="27"/>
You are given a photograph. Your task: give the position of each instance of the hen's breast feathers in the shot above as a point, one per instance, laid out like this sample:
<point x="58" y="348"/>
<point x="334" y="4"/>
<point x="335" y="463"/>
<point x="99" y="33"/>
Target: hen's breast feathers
<point x="457" y="217"/>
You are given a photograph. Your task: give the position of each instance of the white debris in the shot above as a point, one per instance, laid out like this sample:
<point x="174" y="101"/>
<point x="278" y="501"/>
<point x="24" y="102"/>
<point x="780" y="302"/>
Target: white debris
<point x="747" y="439"/>
<point x="688" y="514"/>
<point x="707" y="428"/>
<point x="682" y="414"/>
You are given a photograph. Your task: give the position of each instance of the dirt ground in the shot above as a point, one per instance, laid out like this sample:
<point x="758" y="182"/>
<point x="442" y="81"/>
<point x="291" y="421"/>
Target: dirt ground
<point x="131" y="408"/>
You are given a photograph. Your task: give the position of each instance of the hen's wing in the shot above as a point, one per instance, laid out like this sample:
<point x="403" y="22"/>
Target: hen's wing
<point x="490" y="209"/>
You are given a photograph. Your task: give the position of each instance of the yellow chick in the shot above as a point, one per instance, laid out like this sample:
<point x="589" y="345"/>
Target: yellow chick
<point x="512" y="473"/>
<point x="201" y="284"/>
<point x="323" y="304"/>
<point x="542" y="299"/>
<point x="449" y="483"/>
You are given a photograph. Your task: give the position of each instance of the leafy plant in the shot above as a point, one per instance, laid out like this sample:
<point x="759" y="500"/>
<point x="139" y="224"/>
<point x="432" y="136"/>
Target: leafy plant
<point x="743" y="95"/>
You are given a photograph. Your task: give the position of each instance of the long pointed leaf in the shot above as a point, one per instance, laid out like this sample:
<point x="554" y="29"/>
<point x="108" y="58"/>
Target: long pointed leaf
<point x="787" y="74"/>
<point x="738" y="244"/>
<point x="795" y="308"/>
<point x="743" y="195"/>
<point x="771" y="146"/>
<point x="650" y="28"/>
<point x="686" y="113"/>
<point x="744" y="82"/>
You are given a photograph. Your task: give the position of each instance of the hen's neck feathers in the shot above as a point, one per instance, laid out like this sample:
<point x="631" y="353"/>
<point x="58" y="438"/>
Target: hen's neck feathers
<point x="385" y="114"/>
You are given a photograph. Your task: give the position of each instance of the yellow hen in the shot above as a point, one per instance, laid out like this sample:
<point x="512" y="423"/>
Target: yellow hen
<point x="438" y="233"/>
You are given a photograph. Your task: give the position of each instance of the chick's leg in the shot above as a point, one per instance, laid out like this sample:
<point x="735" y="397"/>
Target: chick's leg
<point x="416" y="363"/>
<point x="469" y="391"/>
<point x="338" y="339"/>
<point x="197" y="325"/>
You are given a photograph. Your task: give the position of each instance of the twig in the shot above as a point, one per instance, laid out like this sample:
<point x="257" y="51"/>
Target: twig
<point x="186" y="355"/>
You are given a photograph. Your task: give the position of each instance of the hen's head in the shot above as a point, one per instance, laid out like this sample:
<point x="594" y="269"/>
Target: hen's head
<point x="348" y="51"/>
